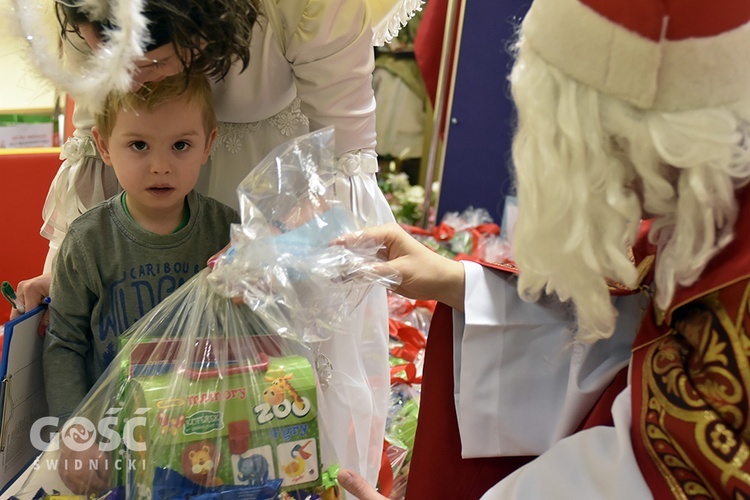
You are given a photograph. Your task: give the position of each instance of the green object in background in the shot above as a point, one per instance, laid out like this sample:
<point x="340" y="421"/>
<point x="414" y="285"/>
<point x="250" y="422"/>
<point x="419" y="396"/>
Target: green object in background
<point x="404" y="425"/>
<point x="17" y="118"/>
<point x="462" y="242"/>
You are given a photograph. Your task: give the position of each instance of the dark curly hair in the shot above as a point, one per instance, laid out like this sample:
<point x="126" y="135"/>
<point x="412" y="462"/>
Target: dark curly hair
<point x="211" y="34"/>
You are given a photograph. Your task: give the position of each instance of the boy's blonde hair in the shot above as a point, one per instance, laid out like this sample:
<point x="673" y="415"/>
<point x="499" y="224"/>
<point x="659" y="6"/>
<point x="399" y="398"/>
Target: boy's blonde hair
<point x="194" y="86"/>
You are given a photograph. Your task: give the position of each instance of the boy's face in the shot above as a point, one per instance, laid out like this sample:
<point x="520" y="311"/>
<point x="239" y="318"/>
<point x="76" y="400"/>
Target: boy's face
<point x="157" y="155"/>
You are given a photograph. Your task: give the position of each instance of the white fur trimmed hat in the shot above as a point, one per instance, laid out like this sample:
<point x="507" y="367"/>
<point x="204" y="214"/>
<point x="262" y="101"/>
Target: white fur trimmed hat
<point x="668" y="55"/>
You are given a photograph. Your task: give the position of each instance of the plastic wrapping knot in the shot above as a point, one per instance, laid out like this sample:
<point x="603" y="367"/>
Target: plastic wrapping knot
<point x="281" y="260"/>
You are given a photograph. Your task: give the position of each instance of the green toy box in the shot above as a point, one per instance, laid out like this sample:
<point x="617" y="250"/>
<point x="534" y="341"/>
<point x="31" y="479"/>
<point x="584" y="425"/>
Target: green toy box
<point x="226" y="417"/>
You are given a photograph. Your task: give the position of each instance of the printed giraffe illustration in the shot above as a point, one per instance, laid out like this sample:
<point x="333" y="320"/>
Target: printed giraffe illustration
<point x="280" y="385"/>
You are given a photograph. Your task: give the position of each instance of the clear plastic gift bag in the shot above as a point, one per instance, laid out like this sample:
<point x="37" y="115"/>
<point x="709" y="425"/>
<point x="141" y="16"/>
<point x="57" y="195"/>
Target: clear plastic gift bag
<point x="212" y="398"/>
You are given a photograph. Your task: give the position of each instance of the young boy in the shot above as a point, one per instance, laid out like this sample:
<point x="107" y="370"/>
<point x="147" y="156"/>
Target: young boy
<point x="124" y="256"/>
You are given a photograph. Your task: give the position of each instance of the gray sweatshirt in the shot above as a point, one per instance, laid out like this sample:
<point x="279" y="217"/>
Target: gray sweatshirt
<point x="109" y="273"/>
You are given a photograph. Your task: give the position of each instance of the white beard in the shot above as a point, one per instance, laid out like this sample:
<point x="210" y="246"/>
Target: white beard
<point x="587" y="165"/>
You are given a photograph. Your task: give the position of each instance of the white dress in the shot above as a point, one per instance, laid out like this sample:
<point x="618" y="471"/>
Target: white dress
<point x="311" y="64"/>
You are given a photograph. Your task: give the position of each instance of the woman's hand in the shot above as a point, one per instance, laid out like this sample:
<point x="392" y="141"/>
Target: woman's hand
<point x="425" y="275"/>
<point x="357" y="486"/>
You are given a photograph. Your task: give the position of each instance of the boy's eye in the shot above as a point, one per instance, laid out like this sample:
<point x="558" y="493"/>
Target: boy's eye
<point x="139" y="145"/>
<point x="181" y="145"/>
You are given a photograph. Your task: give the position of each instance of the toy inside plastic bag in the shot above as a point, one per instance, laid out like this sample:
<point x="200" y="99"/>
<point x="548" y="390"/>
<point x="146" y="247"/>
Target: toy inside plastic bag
<point x="208" y="398"/>
<point x="202" y="399"/>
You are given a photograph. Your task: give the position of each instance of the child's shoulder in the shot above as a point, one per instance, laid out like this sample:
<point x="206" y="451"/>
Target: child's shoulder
<point x="93" y="218"/>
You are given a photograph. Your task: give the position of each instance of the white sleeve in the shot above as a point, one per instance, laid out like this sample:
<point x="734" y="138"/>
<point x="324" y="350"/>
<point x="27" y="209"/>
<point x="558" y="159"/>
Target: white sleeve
<point x="521" y="381"/>
<point x="333" y="59"/>
<point x="595" y="463"/>
<point x="389" y="16"/>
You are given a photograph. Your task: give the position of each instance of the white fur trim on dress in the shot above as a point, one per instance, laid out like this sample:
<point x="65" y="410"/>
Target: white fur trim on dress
<point x="88" y="76"/>
<point x="389" y="16"/>
<point x="669" y="75"/>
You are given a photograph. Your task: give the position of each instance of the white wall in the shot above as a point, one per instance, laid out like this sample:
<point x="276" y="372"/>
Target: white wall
<point x="20" y="90"/>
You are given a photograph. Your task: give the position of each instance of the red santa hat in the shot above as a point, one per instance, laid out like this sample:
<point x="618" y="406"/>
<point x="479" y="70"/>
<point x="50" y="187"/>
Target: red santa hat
<point x="668" y="55"/>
